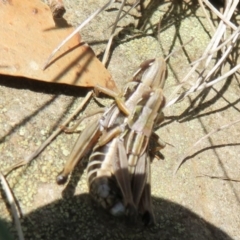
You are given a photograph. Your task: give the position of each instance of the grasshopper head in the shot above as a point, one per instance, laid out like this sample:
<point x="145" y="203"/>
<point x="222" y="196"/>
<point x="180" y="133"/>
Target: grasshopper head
<point x="152" y="73"/>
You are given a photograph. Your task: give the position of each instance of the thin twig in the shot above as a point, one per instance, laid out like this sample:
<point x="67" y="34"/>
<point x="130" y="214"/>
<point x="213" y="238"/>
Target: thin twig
<point x="13" y="205"/>
<point x="219" y="177"/>
<point x="133" y="6"/>
<point x="106" y="54"/>
<point x="178" y="48"/>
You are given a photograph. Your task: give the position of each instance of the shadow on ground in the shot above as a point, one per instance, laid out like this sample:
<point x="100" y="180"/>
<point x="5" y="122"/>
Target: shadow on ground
<point x="78" y="218"/>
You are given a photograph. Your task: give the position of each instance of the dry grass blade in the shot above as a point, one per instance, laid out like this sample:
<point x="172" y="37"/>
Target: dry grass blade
<point x="227" y="41"/>
<point x="219" y="177"/>
<point x="13" y="205"/>
<point x="203" y="85"/>
<point x="182" y="160"/>
<point x="229" y="10"/>
<point x="214" y="46"/>
<point x="53" y="135"/>
<point x="205" y="12"/>
<point x="76" y="31"/>
<point x="227" y="74"/>
<point x="220" y="15"/>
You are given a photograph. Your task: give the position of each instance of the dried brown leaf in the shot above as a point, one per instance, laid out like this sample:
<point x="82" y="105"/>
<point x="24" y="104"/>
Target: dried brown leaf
<point x="28" y="35"/>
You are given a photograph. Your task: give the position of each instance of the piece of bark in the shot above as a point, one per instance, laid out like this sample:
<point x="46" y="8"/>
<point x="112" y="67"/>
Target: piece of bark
<point x="57" y="8"/>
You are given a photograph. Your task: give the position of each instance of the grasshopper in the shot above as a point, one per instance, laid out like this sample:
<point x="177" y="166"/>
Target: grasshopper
<point x="119" y="167"/>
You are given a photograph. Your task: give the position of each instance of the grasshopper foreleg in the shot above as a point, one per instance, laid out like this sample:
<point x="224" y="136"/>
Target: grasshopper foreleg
<point x="120" y="103"/>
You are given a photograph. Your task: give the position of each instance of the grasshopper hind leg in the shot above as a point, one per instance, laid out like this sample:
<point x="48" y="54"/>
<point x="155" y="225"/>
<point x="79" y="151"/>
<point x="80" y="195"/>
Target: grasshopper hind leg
<point x="86" y="140"/>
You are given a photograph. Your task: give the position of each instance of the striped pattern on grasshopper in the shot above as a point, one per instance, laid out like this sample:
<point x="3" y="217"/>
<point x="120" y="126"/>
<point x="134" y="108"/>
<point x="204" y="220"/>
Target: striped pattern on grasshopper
<point x="118" y="169"/>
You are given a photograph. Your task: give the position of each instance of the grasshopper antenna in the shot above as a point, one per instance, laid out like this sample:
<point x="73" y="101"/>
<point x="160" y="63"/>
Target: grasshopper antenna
<point x="180" y="47"/>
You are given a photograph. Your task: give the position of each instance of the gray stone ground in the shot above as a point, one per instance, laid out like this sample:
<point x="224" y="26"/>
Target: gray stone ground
<point x="186" y="206"/>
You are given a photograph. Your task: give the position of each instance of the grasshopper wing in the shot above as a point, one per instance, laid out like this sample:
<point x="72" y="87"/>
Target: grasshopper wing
<point x="139" y="178"/>
<point x="120" y="169"/>
<point x="145" y="204"/>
